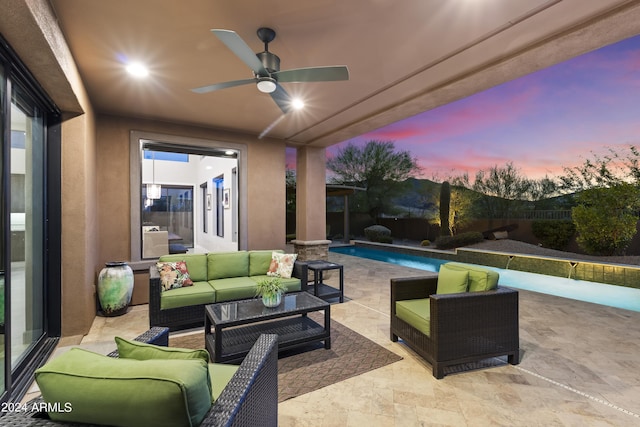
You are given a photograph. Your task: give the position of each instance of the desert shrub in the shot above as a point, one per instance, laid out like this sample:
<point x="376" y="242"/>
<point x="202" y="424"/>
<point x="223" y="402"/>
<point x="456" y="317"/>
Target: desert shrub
<point x="462" y="239"/>
<point x="554" y="234"/>
<point x="378" y="233"/>
<point x="425" y="243"/>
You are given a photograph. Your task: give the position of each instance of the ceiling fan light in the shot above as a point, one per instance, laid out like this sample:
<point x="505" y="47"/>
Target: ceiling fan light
<point x="266" y="85"/>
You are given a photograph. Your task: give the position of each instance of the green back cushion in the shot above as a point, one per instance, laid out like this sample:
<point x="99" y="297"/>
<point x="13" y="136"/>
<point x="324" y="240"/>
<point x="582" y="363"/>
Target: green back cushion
<point x="126" y="392"/>
<point x="480" y="278"/>
<point x="259" y="262"/>
<point x="131" y="349"/>
<point x="451" y="281"/>
<point x="196" y="264"/>
<point x="222" y="265"/>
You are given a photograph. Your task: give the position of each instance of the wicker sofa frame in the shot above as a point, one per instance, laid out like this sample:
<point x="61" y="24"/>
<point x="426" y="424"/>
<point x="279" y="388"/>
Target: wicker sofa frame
<point x="465" y="327"/>
<point x="249" y="399"/>
<point x="193" y="315"/>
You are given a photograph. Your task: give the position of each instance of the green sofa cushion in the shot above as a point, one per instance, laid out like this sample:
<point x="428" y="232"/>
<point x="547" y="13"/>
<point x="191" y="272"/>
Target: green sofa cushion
<point x="125" y="392"/>
<point x="131" y="349"/>
<point x="199" y="293"/>
<point x="234" y="288"/>
<point x="259" y="262"/>
<point x="451" y="281"/>
<point x="480" y="278"/>
<point x="220" y="374"/>
<point x="222" y="265"/>
<point x="293" y="284"/>
<point x="417" y="313"/>
<point x="196" y="264"/>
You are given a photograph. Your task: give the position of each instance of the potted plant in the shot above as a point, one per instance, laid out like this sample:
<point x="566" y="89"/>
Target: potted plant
<point x="271" y="290"/>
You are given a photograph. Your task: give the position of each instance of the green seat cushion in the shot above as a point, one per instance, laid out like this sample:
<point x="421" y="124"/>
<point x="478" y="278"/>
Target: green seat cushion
<point x="480" y="278"/>
<point x="196" y="264"/>
<point x="234" y="288"/>
<point x="417" y="313"/>
<point x="199" y="293"/>
<point x="125" y="392"/>
<point x="259" y="262"/>
<point x="131" y="349"/>
<point x="293" y="284"/>
<point x="451" y="281"/>
<point x="220" y="374"/>
<point x="221" y="265"/>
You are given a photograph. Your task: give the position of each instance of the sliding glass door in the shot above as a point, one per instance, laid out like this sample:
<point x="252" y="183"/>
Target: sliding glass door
<point x="26" y="223"/>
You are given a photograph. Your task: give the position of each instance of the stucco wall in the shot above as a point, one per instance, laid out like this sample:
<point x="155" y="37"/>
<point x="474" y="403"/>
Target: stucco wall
<point x="265" y="188"/>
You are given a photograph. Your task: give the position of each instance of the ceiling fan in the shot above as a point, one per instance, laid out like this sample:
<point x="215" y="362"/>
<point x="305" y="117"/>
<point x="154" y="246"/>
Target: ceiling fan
<point x="266" y="69"/>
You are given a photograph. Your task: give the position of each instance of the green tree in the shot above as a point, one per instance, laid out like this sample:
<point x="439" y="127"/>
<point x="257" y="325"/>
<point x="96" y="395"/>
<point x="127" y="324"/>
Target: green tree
<point x="606" y="218"/>
<point x="375" y="166"/>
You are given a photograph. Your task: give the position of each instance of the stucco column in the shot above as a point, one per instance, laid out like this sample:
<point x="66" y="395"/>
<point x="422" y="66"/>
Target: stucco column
<point x="311" y="210"/>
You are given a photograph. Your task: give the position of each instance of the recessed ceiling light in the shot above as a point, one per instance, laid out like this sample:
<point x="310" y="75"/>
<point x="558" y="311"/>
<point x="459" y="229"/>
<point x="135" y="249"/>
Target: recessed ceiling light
<point x="137" y="69"/>
<point x="229" y="152"/>
<point x="297" y="104"/>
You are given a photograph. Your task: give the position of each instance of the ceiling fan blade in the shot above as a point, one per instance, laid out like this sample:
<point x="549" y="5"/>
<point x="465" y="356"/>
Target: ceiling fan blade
<point x="218" y="86"/>
<point x="282" y="98"/>
<point x="238" y="46"/>
<point x="313" y="74"/>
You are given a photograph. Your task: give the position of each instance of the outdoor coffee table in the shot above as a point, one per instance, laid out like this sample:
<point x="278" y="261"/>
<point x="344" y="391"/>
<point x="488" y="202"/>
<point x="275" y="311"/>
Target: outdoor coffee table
<point x="231" y="328"/>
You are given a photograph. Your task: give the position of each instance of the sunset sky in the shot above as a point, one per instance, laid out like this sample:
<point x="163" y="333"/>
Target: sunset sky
<point x="541" y="122"/>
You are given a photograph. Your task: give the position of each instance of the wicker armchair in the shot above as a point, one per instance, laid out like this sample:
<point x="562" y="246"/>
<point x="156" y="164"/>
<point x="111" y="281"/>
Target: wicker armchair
<point x="464" y="327"/>
<point x="249" y="399"/>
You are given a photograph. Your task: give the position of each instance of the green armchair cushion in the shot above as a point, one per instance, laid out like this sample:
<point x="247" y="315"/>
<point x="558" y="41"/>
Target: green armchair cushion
<point x="220" y="374"/>
<point x="480" y="278"/>
<point x="131" y="349"/>
<point x="196" y="264"/>
<point x="451" y="281"/>
<point x="417" y="313"/>
<point x="222" y="265"/>
<point x="125" y="392"/>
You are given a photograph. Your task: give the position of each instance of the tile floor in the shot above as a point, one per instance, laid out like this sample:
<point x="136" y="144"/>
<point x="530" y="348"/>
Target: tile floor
<point x="580" y="366"/>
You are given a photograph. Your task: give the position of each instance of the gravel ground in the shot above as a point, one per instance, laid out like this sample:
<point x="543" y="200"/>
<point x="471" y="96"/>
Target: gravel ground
<point x="514" y="246"/>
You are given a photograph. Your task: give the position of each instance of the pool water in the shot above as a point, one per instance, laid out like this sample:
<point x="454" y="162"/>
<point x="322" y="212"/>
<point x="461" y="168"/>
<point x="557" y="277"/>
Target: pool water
<point x="582" y="290"/>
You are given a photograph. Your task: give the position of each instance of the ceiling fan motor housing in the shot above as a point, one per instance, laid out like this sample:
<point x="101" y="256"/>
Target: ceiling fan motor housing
<point x="270" y="62"/>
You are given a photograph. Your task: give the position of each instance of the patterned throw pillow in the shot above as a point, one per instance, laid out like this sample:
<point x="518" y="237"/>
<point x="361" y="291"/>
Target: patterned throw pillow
<point x="173" y="275"/>
<point x="281" y="265"/>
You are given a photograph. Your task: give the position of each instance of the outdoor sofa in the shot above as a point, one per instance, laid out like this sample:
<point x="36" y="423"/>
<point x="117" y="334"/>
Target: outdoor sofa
<point x="217" y="277"/>
<point x="458" y="316"/>
<point x="250" y="398"/>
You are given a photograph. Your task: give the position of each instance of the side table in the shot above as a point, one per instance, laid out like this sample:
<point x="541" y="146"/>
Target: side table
<point x="321" y="289"/>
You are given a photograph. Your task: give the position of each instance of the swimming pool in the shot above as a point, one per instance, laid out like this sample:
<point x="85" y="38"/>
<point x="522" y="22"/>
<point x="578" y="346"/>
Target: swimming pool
<point x="598" y="293"/>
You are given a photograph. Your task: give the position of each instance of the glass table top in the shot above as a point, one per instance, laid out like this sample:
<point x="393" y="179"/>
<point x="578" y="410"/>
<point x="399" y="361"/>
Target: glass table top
<point x="298" y="302"/>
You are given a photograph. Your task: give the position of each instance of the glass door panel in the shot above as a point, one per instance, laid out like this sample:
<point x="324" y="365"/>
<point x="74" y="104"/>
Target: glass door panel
<point x="27" y="220"/>
<point x="3" y="382"/>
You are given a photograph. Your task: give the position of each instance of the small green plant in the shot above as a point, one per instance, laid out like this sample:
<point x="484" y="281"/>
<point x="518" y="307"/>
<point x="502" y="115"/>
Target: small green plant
<point x="270" y="287"/>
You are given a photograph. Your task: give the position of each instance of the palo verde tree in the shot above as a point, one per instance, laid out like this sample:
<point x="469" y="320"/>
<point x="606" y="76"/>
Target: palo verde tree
<point x="377" y="167"/>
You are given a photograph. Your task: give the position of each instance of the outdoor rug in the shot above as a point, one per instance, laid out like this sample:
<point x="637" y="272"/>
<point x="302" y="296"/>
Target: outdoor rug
<point x="312" y="367"/>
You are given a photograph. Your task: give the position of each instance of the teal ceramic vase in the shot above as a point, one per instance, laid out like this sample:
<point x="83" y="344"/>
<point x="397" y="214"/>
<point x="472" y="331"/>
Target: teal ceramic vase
<point x="115" y="287"/>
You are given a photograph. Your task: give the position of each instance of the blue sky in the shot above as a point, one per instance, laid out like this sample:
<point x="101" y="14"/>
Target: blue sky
<point x="541" y="122"/>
